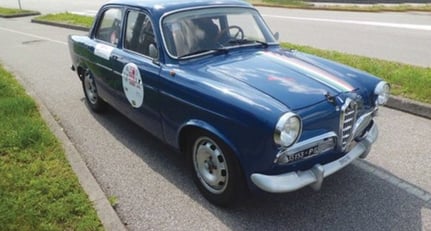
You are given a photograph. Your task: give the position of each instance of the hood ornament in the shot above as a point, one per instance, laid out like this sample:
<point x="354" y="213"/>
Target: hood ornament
<point x="331" y="99"/>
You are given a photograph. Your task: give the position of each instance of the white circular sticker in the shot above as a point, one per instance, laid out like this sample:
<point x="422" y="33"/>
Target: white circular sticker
<point x="132" y="85"/>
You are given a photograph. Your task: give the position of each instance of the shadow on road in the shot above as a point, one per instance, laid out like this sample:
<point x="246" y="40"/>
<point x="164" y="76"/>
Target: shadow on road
<point x="351" y="199"/>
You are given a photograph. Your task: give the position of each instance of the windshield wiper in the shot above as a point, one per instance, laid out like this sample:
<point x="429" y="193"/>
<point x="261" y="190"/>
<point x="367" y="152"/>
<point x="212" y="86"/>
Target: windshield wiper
<point x="209" y="51"/>
<point x="248" y="41"/>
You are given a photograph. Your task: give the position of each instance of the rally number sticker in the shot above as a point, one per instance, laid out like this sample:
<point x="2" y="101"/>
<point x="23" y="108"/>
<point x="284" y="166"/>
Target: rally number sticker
<point x="132" y="85"/>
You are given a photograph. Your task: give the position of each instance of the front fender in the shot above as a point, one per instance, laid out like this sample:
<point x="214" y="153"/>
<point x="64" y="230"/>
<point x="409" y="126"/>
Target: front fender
<point x="193" y="124"/>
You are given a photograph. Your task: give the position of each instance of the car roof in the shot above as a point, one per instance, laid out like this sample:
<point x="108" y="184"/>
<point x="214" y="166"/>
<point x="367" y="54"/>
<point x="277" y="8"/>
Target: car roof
<point x="162" y="6"/>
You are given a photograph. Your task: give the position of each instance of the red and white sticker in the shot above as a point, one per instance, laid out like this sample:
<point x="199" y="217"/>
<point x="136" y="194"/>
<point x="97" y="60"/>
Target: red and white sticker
<point x="132" y="85"/>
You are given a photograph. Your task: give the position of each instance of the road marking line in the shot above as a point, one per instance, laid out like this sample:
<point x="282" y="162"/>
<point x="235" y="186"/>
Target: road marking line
<point x="397" y="182"/>
<point x="368" y="23"/>
<point x="33" y="36"/>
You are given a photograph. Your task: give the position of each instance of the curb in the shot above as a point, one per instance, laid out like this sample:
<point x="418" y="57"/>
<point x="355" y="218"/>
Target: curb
<point x="409" y="106"/>
<point x="106" y="213"/>
<point x="31" y="13"/>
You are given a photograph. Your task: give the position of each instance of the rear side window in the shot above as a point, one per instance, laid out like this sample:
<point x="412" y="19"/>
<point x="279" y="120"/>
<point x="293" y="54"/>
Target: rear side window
<point x="110" y="26"/>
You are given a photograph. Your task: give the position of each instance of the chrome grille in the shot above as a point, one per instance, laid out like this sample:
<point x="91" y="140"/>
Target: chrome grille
<point x="347" y="122"/>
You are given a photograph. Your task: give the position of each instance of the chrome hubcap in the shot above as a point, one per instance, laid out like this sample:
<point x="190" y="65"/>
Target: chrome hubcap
<point x="210" y="165"/>
<point x="90" y="88"/>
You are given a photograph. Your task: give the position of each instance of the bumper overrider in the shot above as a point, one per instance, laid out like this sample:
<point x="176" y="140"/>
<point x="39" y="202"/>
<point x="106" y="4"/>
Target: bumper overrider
<point x="313" y="177"/>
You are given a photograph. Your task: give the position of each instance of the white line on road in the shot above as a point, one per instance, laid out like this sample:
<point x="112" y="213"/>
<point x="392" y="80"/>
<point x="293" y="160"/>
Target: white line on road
<point x="33" y="35"/>
<point x="367" y="23"/>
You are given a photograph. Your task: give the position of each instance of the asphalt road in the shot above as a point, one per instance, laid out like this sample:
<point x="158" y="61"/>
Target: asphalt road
<point x="388" y="191"/>
<point x="402" y="37"/>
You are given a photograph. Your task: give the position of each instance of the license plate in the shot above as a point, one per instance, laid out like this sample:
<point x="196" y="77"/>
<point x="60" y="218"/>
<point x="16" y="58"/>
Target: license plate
<point x="303" y="154"/>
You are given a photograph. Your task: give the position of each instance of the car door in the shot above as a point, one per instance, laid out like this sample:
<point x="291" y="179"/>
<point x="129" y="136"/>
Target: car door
<point x="106" y="37"/>
<point x="136" y="75"/>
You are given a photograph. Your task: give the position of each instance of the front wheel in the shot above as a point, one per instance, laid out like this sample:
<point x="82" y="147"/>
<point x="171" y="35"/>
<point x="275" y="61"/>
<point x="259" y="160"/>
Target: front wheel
<point x="92" y="97"/>
<point x="215" y="169"/>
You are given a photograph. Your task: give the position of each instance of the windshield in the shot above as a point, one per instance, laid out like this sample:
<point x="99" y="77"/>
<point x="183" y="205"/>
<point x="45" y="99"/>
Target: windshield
<point x="196" y="32"/>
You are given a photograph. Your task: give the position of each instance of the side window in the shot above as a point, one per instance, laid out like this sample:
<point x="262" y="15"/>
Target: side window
<point x="110" y="26"/>
<point x="140" y="34"/>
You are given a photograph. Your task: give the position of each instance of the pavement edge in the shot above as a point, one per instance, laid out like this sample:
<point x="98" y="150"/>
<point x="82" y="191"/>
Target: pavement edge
<point x="106" y="213"/>
<point x="409" y="106"/>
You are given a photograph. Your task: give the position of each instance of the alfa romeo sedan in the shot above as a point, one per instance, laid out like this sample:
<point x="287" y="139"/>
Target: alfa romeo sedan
<point x="210" y="79"/>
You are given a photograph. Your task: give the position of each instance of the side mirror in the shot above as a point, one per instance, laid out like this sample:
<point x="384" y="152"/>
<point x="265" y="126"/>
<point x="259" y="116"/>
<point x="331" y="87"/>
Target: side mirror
<point x="277" y="36"/>
<point x="152" y="51"/>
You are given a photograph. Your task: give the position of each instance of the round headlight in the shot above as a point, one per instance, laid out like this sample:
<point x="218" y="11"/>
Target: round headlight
<point x="287" y="130"/>
<point x="382" y="91"/>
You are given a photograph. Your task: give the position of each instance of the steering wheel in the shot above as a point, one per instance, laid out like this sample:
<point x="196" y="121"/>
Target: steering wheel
<point x="233" y="32"/>
<point x="236" y="32"/>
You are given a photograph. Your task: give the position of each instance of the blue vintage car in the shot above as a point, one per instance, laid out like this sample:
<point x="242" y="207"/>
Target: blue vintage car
<point x="210" y="79"/>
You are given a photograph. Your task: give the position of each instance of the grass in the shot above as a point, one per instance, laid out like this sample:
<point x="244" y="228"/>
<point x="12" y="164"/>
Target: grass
<point x="362" y="8"/>
<point x="406" y="80"/>
<point x="12" y="11"/>
<point x="68" y="18"/>
<point x="38" y="189"/>
<point x="9" y="11"/>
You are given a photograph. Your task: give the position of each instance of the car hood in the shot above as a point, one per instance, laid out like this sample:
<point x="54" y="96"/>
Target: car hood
<point x="294" y="79"/>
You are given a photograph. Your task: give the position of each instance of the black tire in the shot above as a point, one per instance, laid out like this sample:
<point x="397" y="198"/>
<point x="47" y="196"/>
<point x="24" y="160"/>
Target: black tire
<point x="215" y="170"/>
<point x="91" y="96"/>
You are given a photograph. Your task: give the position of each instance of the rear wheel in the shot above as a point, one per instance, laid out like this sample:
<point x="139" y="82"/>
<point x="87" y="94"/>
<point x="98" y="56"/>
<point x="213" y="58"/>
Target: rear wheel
<point x="92" y="97"/>
<point x="215" y="169"/>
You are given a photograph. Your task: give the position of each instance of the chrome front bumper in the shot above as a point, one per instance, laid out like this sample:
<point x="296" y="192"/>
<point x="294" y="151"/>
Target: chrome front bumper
<point x="292" y="181"/>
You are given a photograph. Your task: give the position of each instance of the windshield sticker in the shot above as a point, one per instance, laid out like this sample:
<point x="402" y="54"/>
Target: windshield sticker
<point x="132" y="85"/>
<point x="103" y="51"/>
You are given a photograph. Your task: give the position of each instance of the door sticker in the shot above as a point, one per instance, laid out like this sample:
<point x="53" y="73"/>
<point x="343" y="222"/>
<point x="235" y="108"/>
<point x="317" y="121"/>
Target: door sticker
<point x="103" y="51"/>
<point x="132" y="85"/>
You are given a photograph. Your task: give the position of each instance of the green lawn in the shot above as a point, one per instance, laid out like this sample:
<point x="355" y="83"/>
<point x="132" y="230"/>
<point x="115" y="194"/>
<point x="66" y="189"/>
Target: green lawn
<point x="8" y="12"/>
<point x="406" y="80"/>
<point x="68" y="18"/>
<point x="38" y="189"/>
